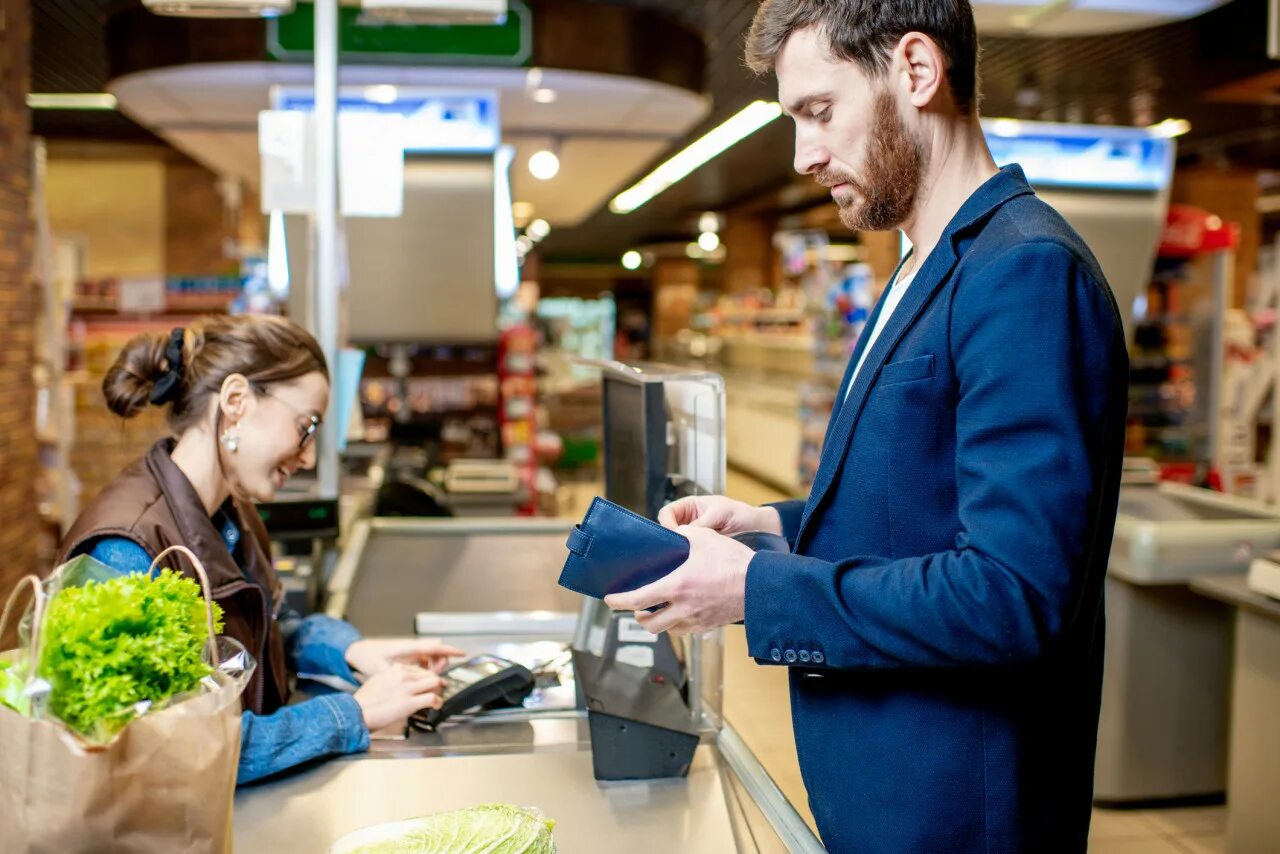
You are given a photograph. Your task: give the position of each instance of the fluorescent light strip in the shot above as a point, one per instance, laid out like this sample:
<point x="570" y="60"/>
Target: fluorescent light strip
<point x="744" y="123"/>
<point x="71" y="101"/>
<point x="1171" y="128"/>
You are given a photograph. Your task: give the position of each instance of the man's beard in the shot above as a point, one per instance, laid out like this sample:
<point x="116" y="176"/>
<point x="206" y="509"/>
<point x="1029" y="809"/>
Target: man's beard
<point x="893" y="167"/>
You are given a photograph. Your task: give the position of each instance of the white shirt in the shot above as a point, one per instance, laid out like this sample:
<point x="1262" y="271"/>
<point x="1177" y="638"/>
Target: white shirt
<point x="897" y="288"/>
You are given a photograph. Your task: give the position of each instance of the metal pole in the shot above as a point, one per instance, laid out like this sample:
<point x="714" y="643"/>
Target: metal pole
<point x="1273" y="29"/>
<point x="1223" y="284"/>
<point x="324" y="302"/>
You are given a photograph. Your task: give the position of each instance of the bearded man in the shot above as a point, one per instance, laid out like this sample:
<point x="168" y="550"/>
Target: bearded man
<point x="941" y="610"/>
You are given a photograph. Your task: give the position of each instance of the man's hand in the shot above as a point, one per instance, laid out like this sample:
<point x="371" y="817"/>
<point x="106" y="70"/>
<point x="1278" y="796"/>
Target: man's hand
<point x="707" y="591"/>
<point x="720" y="514"/>
<point x="374" y="655"/>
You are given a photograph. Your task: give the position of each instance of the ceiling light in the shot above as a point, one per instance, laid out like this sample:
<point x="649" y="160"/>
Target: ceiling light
<point x="693" y="250"/>
<point x="538" y="230"/>
<point x="71" y="101"/>
<point x="434" y="12"/>
<point x="381" y="94"/>
<point x="544" y="96"/>
<point x="709" y="241"/>
<point x="522" y="211"/>
<point x="544" y="165"/>
<point x="1170" y="128"/>
<point x="741" y="125"/>
<point x="709" y="221"/>
<point x="631" y="259"/>
<point x="220" y="8"/>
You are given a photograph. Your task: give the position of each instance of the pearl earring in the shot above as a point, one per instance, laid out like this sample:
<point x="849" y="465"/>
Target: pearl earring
<point x="231" y="439"/>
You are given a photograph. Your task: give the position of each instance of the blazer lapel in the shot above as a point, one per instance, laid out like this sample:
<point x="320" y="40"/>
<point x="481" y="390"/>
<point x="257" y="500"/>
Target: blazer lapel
<point x="842" y="393"/>
<point x="937" y="267"/>
<point x="1009" y="183"/>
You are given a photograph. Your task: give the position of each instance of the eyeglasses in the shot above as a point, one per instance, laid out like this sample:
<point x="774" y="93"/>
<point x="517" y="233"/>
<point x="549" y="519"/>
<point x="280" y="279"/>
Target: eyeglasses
<point x="306" y="433"/>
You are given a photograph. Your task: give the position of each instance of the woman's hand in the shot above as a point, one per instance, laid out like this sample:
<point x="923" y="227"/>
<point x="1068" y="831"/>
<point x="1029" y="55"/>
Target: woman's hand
<point x="397" y="692"/>
<point x="371" y="656"/>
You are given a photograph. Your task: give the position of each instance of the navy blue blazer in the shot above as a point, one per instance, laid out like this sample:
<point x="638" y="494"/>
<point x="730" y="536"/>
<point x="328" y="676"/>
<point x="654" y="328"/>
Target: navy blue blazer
<point x="942" y="611"/>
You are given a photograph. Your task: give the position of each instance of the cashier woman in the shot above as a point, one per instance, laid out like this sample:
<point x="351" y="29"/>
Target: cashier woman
<point x="244" y="398"/>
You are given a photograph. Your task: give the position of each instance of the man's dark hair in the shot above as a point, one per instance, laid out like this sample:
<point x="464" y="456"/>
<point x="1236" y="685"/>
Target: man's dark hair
<point x="867" y="31"/>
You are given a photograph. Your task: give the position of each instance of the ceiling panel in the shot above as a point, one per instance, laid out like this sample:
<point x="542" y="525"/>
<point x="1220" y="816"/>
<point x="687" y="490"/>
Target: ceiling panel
<point x="1158" y="72"/>
<point x="604" y="128"/>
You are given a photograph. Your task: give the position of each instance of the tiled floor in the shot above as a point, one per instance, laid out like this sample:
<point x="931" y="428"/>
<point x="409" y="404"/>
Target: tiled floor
<point x="757" y="706"/>
<point x="1195" y="830"/>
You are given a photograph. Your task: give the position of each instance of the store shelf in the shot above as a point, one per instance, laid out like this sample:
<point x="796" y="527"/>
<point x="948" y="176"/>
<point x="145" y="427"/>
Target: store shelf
<point x="764" y="340"/>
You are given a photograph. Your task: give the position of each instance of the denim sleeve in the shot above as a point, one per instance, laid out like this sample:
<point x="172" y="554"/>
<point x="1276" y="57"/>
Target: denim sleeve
<point x="119" y="553"/>
<point x="318" y="646"/>
<point x="328" y="725"/>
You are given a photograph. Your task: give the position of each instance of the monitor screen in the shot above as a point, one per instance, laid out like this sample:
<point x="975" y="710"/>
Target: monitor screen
<point x="626" y="453"/>
<point x="1082" y="156"/>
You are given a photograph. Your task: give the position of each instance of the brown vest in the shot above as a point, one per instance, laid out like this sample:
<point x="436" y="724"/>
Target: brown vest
<point x="153" y="504"/>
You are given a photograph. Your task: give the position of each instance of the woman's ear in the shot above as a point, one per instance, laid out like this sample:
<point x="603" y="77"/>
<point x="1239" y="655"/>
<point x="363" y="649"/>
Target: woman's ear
<point x="235" y="397"/>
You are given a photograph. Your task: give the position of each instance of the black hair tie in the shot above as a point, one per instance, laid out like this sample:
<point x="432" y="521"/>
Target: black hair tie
<point x="167" y="387"/>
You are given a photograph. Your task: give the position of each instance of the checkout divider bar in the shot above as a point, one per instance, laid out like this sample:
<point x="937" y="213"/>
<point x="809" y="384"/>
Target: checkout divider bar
<point x="348" y="566"/>
<point x="778" y="811"/>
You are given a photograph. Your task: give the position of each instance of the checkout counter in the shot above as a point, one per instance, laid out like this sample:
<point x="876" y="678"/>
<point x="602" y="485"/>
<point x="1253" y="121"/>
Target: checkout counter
<point x="489" y="586"/>
<point x="1253" y="768"/>
<point x="1162" y="734"/>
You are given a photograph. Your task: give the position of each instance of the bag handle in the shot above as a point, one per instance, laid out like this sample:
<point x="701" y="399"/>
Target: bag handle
<point x="37" y="619"/>
<point x="204" y="587"/>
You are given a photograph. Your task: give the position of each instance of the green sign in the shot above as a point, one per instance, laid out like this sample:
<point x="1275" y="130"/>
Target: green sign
<point x="292" y="38"/>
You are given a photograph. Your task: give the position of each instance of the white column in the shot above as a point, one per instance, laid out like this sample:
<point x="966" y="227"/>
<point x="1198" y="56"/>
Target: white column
<point x="325" y="302"/>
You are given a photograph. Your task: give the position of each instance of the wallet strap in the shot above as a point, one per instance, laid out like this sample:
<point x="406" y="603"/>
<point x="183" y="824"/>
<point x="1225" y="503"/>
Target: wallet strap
<point x="579" y="542"/>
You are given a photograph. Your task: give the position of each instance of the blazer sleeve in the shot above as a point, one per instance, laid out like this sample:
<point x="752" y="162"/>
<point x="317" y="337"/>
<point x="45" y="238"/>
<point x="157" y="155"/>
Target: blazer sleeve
<point x="791" y="512"/>
<point x="1040" y="364"/>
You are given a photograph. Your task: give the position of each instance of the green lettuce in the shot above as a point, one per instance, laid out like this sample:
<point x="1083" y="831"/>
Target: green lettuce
<point x="487" y="829"/>
<point x="12" y="682"/>
<point x="108" y="646"/>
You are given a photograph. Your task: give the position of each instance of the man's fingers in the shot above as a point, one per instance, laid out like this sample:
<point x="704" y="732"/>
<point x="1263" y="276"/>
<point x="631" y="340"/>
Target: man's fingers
<point x="678" y="513"/>
<point x="657" y="622"/>
<point x="657" y="593"/>
<point x="707" y="520"/>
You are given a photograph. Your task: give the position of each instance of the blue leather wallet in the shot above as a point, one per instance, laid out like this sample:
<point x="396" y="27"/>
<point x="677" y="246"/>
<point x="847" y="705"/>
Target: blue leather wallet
<point x="615" y="551"/>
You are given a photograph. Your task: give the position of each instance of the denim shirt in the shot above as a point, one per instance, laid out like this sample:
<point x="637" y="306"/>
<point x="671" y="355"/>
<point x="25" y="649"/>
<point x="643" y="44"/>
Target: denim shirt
<point x="327" y="725"/>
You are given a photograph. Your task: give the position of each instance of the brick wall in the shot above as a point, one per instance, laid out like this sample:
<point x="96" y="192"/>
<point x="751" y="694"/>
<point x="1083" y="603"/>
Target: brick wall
<point x="194" y="223"/>
<point x="109" y="199"/>
<point x="18" y="514"/>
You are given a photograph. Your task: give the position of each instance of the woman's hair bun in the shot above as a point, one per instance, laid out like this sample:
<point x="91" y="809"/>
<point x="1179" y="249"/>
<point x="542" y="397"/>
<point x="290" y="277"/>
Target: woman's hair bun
<point x="128" y="384"/>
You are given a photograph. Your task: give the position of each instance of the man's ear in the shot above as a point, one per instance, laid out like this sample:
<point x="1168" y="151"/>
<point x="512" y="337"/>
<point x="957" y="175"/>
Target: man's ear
<point x="921" y="67"/>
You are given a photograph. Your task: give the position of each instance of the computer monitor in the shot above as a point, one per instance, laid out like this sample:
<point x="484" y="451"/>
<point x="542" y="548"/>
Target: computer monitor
<point x="663" y="435"/>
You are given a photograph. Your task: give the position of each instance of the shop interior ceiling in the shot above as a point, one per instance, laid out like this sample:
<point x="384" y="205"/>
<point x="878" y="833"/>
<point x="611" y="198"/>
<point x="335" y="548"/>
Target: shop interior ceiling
<point x="1212" y="70"/>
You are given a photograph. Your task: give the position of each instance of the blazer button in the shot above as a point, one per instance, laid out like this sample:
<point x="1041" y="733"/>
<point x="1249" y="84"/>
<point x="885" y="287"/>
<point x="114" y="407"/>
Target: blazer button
<point x="791" y="656"/>
<point x="818" y="657"/>
<point x="775" y="654"/>
<point x="804" y="656"/>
